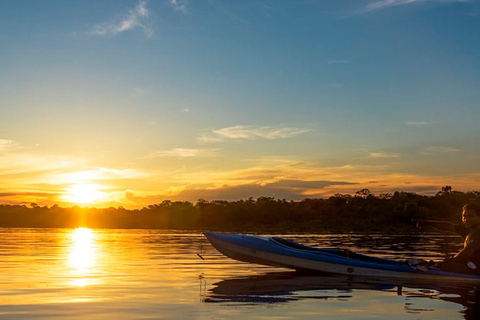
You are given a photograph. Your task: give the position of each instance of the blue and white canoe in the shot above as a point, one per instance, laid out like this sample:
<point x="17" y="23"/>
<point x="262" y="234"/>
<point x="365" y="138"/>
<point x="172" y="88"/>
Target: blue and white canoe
<point x="283" y="253"/>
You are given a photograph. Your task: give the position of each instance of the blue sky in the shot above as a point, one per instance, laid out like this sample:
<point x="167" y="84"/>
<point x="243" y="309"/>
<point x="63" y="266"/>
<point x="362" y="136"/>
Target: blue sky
<point x="135" y="102"/>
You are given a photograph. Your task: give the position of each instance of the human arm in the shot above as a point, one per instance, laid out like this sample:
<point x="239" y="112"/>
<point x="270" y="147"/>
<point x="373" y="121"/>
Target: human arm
<point x="464" y="255"/>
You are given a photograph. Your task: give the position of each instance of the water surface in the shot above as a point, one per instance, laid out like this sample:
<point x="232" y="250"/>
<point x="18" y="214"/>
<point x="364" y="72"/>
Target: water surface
<point x="158" y="274"/>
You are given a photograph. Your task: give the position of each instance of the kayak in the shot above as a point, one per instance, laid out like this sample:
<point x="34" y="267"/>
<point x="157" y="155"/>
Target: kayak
<point x="283" y="253"/>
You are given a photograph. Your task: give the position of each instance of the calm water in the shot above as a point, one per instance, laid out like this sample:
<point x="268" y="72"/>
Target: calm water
<point x="157" y="274"/>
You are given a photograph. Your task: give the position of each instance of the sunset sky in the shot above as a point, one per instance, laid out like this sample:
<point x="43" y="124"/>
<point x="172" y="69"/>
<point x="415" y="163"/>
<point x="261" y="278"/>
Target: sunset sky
<point x="129" y="103"/>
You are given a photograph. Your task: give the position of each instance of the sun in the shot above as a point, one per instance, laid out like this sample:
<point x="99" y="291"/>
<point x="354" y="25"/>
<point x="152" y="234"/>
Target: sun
<point x="83" y="193"/>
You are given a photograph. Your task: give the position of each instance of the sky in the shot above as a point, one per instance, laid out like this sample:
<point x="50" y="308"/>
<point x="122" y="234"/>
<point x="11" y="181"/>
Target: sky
<point x="133" y="102"/>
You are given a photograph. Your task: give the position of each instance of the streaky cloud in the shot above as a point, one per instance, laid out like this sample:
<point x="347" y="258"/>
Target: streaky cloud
<point x="378" y="5"/>
<point x="439" y="149"/>
<point x="306" y="184"/>
<point x="185" y="153"/>
<point x="136" y="18"/>
<point x="282" y="189"/>
<point x="179" y="5"/>
<point x="242" y="132"/>
<point x="383" y="155"/>
<point x="27" y="163"/>
<point x="19" y="164"/>
<point x="417" y="123"/>
<point x="102" y="173"/>
<point x="6" y="144"/>
<point x="26" y="193"/>
<point x="384" y="4"/>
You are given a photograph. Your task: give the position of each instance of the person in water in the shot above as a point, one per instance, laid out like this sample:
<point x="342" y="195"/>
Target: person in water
<point x="468" y="259"/>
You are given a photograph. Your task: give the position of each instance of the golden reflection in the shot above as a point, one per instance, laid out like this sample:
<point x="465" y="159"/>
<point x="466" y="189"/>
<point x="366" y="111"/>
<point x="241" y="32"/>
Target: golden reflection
<point x="82" y="255"/>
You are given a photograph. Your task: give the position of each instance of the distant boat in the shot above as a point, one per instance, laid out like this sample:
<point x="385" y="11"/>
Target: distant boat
<point x="283" y="253"/>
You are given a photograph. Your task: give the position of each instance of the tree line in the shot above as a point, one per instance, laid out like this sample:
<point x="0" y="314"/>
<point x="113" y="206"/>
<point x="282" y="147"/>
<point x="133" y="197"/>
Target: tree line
<point x="361" y="212"/>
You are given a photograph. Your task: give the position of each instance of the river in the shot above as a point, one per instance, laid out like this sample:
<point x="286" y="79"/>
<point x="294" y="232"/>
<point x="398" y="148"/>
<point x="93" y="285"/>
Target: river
<point x="162" y="274"/>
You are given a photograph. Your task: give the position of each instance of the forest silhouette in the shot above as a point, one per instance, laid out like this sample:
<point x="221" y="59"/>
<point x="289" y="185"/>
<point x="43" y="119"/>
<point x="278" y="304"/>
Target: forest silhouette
<point x="362" y="212"/>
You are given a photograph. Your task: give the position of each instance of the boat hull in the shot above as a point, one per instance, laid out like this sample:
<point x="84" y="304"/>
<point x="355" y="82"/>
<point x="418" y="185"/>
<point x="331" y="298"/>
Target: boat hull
<point x="271" y="252"/>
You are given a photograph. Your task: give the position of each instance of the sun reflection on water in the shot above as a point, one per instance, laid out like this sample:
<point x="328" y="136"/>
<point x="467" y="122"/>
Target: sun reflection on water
<point x="83" y="254"/>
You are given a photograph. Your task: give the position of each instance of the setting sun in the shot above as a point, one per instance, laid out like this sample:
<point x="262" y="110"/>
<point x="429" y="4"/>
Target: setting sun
<point x="84" y="193"/>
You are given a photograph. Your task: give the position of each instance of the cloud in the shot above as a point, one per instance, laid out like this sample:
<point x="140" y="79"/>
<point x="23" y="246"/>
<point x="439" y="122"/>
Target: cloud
<point x="6" y="144"/>
<point x="264" y="173"/>
<point x="304" y="184"/>
<point x="241" y="132"/>
<point x="18" y="163"/>
<point x="378" y="5"/>
<point x="185" y="153"/>
<point x="28" y="197"/>
<point x="100" y="173"/>
<point x="29" y="194"/>
<point x="282" y="189"/>
<point x="384" y="4"/>
<point x="439" y="149"/>
<point x="417" y="123"/>
<point x="23" y="162"/>
<point x="136" y="18"/>
<point x="383" y="155"/>
<point x="179" y="5"/>
<point x="290" y="181"/>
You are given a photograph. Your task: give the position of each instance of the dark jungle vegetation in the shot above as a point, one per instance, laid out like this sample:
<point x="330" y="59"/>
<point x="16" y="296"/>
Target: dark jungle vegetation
<point x="362" y="212"/>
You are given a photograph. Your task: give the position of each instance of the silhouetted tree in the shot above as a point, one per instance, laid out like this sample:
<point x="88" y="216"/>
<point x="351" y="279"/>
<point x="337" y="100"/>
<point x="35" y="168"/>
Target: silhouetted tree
<point x="341" y="213"/>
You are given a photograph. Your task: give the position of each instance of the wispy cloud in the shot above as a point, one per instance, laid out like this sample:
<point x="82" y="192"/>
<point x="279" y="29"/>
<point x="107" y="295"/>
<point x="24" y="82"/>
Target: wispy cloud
<point x="179" y="5"/>
<point x="242" y="132"/>
<point x="439" y="149"/>
<point x="384" y="4"/>
<point x="21" y="164"/>
<point x="6" y="144"/>
<point x="21" y="161"/>
<point x="383" y="155"/>
<point x="378" y="5"/>
<point x="99" y="173"/>
<point x="136" y="18"/>
<point x="282" y="189"/>
<point x="417" y="123"/>
<point x="185" y="153"/>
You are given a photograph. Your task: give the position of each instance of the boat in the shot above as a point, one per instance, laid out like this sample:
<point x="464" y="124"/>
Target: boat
<point x="284" y="253"/>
